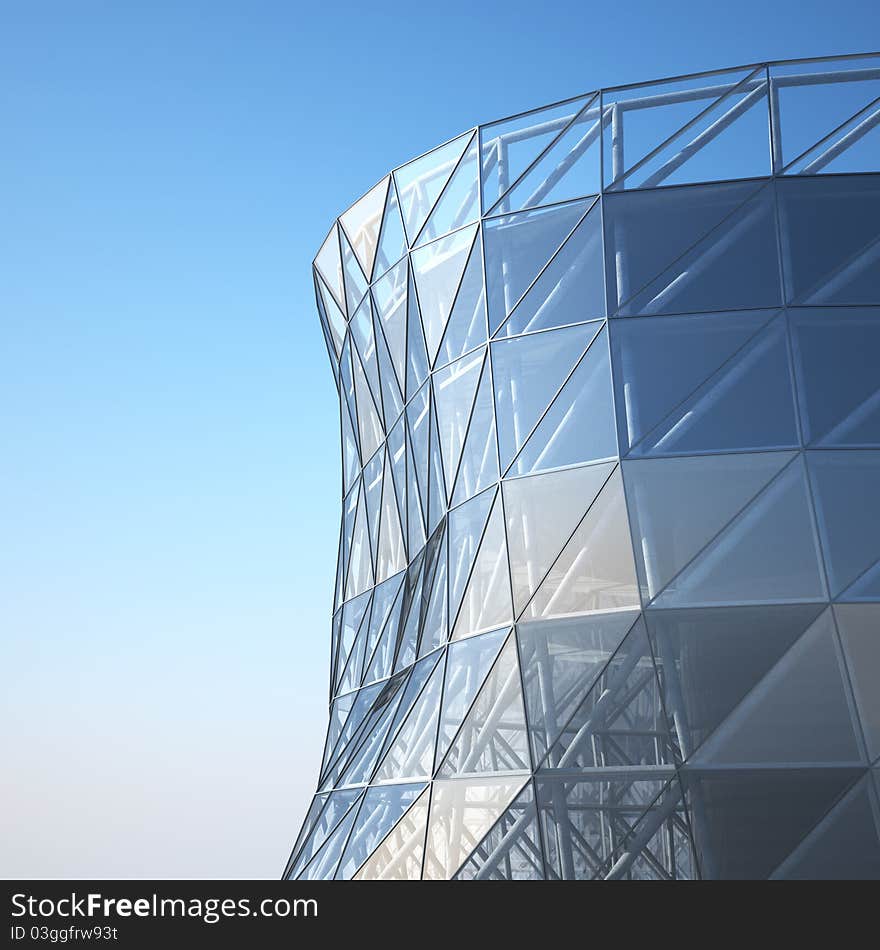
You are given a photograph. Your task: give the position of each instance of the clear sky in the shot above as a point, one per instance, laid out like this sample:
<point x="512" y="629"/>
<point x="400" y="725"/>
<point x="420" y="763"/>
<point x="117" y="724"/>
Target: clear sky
<point x="169" y="484"/>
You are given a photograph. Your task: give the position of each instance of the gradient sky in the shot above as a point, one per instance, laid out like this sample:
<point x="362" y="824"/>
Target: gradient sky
<point x="169" y="485"/>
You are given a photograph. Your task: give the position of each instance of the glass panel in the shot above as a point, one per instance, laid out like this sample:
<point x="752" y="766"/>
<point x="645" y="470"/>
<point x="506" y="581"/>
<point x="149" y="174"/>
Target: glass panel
<point x="420" y="182"/>
<point x="355" y="282"/>
<point x="369" y="423"/>
<point x="847" y="504"/>
<point x="831" y="239"/>
<point x="542" y="514"/>
<point x="384" y="597"/>
<point x="462" y="812"/>
<point x="466" y="327"/>
<point x="392" y="243"/>
<point x="486" y="603"/>
<point x="798" y="712"/>
<point x="579" y="426"/>
<point x="844" y="846"/>
<point x="335" y="317"/>
<point x="560" y="662"/>
<point x="595" y="570"/>
<point x="338" y="804"/>
<point x="479" y="458"/>
<point x="361" y="224"/>
<point x="399" y="856"/>
<point x="328" y="263"/>
<point x="528" y="372"/>
<point x="436" y="625"/>
<point x="709" y="658"/>
<point x="455" y="388"/>
<point x="746" y="823"/>
<point x="704" y="383"/>
<point x="380" y="810"/>
<point x="859" y="626"/>
<point x="466" y="525"/>
<point x="852" y="147"/>
<point x="511" y="851"/>
<point x="766" y="555"/>
<point x="493" y="736"/>
<point x="640" y="119"/>
<point x="836" y="355"/>
<point x="677" y="506"/>
<point x="721" y="254"/>
<point x="584" y="821"/>
<point x="411" y="754"/>
<point x="467" y="665"/>
<point x="389" y="296"/>
<point x="460" y="202"/>
<point x="571" y="289"/>
<point x="568" y="168"/>
<point x="417" y="364"/>
<point x="518" y="247"/>
<point x="438" y="270"/>
<point x="813" y="99"/>
<point x="509" y="147"/>
<point x="621" y="721"/>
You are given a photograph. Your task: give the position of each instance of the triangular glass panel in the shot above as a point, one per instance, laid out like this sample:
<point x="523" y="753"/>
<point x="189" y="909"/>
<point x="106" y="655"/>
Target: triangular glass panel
<point x="420" y="182"/>
<point x="847" y="501"/>
<point x="661" y="363"/>
<point x="621" y="722"/>
<point x="542" y="514"/>
<point x="518" y="247"/>
<point x="595" y="571"/>
<point x="397" y="456"/>
<point x="365" y="343"/>
<point x="747" y="822"/>
<point x="528" y="372"/>
<point x="436" y="626"/>
<point x="466" y="327"/>
<point x="328" y="263"/>
<point x="466" y="524"/>
<point x="392" y="242"/>
<point x="766" y="555"/>
<point x="570" y="289"/>
<point x="417" y="357"/>
<point x="844" y="846"/>
<point x="359" y="711"/>
<point x="355" y="282"/>
<point x="579" y="426"/>
<point x="350" y="675"/>
<point x="382" y="661"/>
<point x="710" y="658"/>
<point x="339" y="712"/>
<point x="360" y="568"/>
<point x="389" y="297"/>
<point x="645" y="117"/>
<point x="798" y="713"/>
<point x="851" y="148"/>
<point x="411" y="752"/>
<point x="455" y="388"/>
<point x="467" y="665"/>
<point x="486" y="603"/>
<point x="392" y="395"/>
<point x="384" y="597"/>
<point x="362" y="222"/>
<point x="369" y="422"/>
<point x="838" y="386"/>
<point x="677" y="506"/>
<point x="511" y="851"/>
<point x="335" y="807"/>
<point x="437" y="484"/>
<point x="479" y="458"/>
<point x="335" y="317"/>
<point x="373" y="491"/>
<point x="462" y="813"/>
<point x="380" y="810"/>
<point x="722" y="233"/>
<point x="560" y="662"/>
<point x="460" y="202"/>
<point x="858" y="625"/>
<point x="438" y="269"/>
<point x="323" y="865"/>
<point x="493" y="736"/>
<point x="350" y="458"/>
<point x="418" y="416"/>
<point x="509" y="147"/>
<point x="399" y="856"/>
<point x="391" y="556"/>
<point x="568" y="168"/>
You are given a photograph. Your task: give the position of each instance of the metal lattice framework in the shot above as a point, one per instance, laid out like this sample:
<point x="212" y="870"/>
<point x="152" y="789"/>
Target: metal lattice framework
<point x="608" y="591"/>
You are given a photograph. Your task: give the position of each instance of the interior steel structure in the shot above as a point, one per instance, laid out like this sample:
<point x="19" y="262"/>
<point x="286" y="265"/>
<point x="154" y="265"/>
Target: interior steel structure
<point x="607" y="602"/>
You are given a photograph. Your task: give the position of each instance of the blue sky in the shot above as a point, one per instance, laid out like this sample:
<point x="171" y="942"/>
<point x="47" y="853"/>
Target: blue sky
<point x="169" y="476"/>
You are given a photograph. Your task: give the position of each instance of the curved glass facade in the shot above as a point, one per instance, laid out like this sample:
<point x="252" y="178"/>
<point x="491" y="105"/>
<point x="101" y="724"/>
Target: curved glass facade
<point x="607" y="602"/>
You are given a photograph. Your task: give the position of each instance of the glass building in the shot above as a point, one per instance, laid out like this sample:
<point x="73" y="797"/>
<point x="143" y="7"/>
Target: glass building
<point x="607" y="602"/>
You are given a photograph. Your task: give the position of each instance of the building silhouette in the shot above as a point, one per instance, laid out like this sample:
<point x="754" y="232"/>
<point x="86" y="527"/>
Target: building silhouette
<point x="607" y="602"/>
